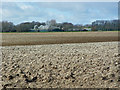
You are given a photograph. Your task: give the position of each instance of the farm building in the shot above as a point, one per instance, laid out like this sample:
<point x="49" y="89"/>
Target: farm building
<point x="86" y="29"/>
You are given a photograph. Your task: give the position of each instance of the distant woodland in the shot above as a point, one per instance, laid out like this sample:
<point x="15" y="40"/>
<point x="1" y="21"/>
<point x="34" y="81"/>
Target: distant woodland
<point x="52" y="25"/>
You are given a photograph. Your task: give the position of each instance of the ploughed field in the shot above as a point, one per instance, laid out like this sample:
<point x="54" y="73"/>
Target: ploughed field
<point x="83" y="65"/>
<point x="69" y="61"/>
<point x="57" y="38"/>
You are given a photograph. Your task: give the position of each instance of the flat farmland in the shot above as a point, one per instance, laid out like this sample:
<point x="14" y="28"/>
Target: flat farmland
<point x="68" y="62"/>
<point x="82" y="65"/>
<point x="9" y="39"/>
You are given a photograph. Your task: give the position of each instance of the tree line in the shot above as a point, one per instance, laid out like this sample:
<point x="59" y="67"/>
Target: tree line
<point x="103" y="25"/>
<point x="106" y="25"/>
<point x="22" y="27"/>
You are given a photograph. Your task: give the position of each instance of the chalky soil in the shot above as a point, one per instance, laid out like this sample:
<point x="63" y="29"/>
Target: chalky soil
<point x="82" y="65"/>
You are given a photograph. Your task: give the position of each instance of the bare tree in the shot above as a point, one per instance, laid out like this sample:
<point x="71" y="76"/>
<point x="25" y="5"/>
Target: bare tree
<point x="7" y="26"/>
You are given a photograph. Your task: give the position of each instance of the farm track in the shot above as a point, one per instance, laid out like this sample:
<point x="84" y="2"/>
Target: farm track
<point x="9" y="39"/>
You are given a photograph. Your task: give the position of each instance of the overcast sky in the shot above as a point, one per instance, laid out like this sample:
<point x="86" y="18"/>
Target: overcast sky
<point x="74" y="12"/>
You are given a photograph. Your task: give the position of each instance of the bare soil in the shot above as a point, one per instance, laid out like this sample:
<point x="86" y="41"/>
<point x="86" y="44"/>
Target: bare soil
<point x="9" y="39"/>
<point x="26" y="62"/>
<point x="83" y="65"/>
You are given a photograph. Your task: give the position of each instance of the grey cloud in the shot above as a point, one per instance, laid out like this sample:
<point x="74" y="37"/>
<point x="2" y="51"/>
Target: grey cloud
<point x="75" y="12"/>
